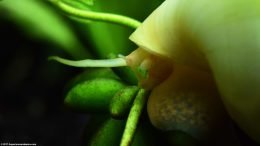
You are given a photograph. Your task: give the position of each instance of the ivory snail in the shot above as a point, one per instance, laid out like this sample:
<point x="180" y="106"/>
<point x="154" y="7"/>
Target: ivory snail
<point x="216" y="37"/>
<point x="201" y="48"/>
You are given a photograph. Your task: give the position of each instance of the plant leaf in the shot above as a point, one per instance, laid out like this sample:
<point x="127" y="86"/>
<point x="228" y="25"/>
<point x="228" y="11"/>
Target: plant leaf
<point x="40" y="22"/>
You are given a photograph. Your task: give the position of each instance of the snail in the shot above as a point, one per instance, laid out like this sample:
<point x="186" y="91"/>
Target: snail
<point x="220" y="38"/>
<point x="202" y="49"/>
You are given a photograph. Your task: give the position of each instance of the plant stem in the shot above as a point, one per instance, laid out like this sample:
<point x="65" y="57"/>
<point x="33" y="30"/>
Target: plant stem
<point x="133" y="117"/>
<point x="97" y="16"/>
<point x="117" y="62"/>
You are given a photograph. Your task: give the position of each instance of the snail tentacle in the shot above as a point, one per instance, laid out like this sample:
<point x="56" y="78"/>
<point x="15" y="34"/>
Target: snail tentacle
<point x="117" y="62"/>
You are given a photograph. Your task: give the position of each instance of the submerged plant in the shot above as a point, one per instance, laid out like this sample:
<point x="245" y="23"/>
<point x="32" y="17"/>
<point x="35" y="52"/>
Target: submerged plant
<point x="192" y="62"/>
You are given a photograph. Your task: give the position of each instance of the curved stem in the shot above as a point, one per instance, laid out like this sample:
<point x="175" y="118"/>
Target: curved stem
<point x="117" y="62"/>
<point x="98" y="16"/>
<point x="133" y="117"/>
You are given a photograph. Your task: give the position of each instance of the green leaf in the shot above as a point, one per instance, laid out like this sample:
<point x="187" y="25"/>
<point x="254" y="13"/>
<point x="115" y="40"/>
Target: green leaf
<point x="93" y="96"/>
<point x="107" y="133"/>
<point x="122" y="101"/>
<point x="89" y="74"/>
<point x="40" y="21"/>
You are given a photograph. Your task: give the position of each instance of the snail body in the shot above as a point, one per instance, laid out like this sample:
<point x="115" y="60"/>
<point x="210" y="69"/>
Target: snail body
<point x="222" y="41"/>
<point x="182" y="98"/>
<point x="187" y="101"/>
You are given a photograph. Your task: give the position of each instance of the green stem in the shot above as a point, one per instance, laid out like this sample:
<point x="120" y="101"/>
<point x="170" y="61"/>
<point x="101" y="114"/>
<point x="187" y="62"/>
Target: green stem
<point x="133" y="117"/>
<point x="117" y="62"/>
<point x="97" y="16"/>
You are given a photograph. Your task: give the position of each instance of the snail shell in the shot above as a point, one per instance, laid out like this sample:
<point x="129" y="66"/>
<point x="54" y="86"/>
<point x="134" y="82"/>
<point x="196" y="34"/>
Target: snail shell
<point x="220" y="38"/>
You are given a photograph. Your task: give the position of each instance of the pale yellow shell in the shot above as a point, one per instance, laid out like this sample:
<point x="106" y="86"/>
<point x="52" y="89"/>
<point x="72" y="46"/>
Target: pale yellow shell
<point x="221" y="37"/>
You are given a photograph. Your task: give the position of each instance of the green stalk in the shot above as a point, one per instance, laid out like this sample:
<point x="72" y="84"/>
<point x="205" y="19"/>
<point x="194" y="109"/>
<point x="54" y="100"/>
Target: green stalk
<point x="133" y="117"/>
<point x="97" y="16"/>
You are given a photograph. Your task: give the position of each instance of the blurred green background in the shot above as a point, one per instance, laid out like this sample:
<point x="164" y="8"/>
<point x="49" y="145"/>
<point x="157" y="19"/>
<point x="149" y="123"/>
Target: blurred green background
<point x="32" y="88"/>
